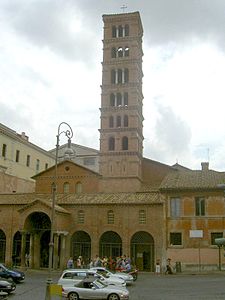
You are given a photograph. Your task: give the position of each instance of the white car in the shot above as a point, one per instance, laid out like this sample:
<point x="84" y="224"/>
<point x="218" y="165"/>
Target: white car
<point x="95" y="290"/>
<point x="125" y="276"/>
<point x="74" y="276"/>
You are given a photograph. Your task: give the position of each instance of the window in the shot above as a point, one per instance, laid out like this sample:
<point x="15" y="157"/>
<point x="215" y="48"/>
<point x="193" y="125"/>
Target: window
<point x="125" y="99"/>
<point x="80" y="217"/>
<point x="17" y="155"/>
<point x="66" y="188"/>
<point x="110" y="216"/>
<point x="113" y="52"/>
<point x="114" y="31"/>
<point x="126" y="30"/>
<point x="119" y="99"/>
<point x="175" y="204"/>
<point x="120" y="31"/>
<point x="200" y="206"/>
<point x="118" y="121"/>
<point x="125" y="143"/>
<point x="120" y="76"/>
<point x="4" y="148"/>
<point x="46" y="166"/>
<point x="111" y="144"/>
<point x="28" y="161"/>
<point x="37" y="165"/>
<point x="113" y="76"/>
<point x="112" y="99"/>
<point x="126" y="51"/>
<point x="142" y="217"/>
<point x="125" y="121"/>
<point x="120" y="52"/>
<point x="78" y="188"/>
<point x="111" y="122"/>
<point x="126" y="75"/>
<point x="175" y="238"/>
<point x="215" y="235"/>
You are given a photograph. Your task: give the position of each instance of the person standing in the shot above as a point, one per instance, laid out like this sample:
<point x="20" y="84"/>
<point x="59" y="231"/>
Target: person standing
<point x="157" y="267"/>
<point x="70" y="263"/>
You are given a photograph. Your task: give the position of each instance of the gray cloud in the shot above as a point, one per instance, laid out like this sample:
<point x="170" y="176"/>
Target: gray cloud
<point x="46" y="23"/>
<point x="172" y="136"/>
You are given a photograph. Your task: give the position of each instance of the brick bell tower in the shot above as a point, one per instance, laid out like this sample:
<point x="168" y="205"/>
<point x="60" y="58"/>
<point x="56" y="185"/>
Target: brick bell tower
<point x="121" y="132"/>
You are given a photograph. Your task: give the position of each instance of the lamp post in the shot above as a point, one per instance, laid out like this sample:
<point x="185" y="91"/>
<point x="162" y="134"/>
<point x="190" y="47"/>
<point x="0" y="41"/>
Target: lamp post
<point x="69" y="134"/>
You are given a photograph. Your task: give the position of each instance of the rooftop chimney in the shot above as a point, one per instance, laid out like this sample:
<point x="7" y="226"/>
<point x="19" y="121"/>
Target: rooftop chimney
<point x="205" y="166"/>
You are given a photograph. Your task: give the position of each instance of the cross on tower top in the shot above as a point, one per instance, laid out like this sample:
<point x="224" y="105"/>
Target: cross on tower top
<point x="123" y="7"/>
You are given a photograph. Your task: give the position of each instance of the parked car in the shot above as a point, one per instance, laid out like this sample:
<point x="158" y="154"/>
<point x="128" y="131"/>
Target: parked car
<point x="7" y="286"/>
<point x="95" y="290"/>
<point x="74" y="276"/>
<point x="15" y="275"/>
<point x="125" y="276"/>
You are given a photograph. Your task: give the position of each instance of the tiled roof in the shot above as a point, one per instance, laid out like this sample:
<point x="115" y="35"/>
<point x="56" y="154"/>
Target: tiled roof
<point x="197" y="179"/>
<point x="96" y="198"/>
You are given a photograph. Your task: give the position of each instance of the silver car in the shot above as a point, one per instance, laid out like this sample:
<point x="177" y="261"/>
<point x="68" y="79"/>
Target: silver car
<point x="95" y="290"/>
<point x="125" y="276"/>
<point x="74" y="276"/>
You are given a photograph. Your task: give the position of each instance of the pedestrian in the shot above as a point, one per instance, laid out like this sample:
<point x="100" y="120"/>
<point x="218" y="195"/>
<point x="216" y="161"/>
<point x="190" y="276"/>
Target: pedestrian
<point x="70" y="263"/>
<point x="27" y="260"/>
<point x="169" y="269"/>
<point x="157" y="267"/>
<point x="79" y="262"/>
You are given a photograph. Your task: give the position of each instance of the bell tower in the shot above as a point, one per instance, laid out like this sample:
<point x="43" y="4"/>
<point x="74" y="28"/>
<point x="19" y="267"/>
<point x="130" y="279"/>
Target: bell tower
<point x="121" y="132"/>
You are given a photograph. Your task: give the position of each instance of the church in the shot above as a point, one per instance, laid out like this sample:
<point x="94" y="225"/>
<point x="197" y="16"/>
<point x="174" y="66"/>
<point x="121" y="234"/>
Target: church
<point x="130" y="205"/>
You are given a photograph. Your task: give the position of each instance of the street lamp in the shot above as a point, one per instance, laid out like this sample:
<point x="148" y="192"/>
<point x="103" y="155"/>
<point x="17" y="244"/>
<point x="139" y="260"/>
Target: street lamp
<point x="69" y="134"/>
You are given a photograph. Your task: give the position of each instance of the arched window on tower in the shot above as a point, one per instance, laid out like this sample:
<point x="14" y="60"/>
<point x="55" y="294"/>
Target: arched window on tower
<point x="119" y="99"/>
<point x="111" y="143"/>
<point x="111" y="122"/>
<point x="125" y="143"/>
<point x="112" y="99"/>
<point x="120" y="76"/>
<point x="126" y="75"/>
<point x="114" y="31"/>
<point x="126" y="30"/>
<point x="113" y="52"/>
<point x="120" y="31"/>
<point x="126" y="51"/>
<point x="125" y="121"/>
<point x="120" y="52"/>
<point x="125" y="95"/>
<point x="118" y="121"/>
<point x="113" y="76"/>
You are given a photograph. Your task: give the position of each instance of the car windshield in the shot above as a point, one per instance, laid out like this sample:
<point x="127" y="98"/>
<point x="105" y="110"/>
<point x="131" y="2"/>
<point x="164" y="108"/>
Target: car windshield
<point x="99" y="284"/>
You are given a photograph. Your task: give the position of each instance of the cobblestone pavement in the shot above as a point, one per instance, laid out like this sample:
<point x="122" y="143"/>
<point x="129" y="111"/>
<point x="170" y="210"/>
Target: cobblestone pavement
<point x="147" y="287"/>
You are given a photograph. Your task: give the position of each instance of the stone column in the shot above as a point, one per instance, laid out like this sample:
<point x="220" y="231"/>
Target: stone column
<point x="63" y="255"/>
<point x="36" y="256"/>
<point x="23" y="248"/>
<point x="32" y="250"/>
<point x="8" y="250"/>
<point x="55" y="251"/>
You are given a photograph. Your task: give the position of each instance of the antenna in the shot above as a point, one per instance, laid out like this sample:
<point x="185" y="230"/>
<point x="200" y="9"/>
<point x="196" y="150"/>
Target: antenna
<point x="123" y="7"/>
<point x="208" y="157"/>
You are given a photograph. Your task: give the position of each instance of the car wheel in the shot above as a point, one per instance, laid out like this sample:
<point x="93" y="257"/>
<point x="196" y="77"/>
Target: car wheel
<point x="113" y="297"/>
<point x="73" y="296"/>
<point x="134" y="276"/>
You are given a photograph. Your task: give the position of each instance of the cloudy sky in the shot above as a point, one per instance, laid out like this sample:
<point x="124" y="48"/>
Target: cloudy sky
<point x="50" y="71"/>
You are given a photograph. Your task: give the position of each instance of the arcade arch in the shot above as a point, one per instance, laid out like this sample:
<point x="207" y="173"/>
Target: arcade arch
<point x="110" y="244"/>
<point x="142" y="250"/>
